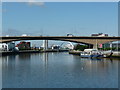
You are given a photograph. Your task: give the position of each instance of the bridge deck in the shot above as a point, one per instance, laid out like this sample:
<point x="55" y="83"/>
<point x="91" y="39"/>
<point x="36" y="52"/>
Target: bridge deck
<point x="78" y="39"/>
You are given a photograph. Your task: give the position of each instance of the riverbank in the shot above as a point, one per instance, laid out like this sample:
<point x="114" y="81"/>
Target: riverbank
<point x="74" y="52"/>
<point x="115" y="54"/>
<point x="29" y="51"/>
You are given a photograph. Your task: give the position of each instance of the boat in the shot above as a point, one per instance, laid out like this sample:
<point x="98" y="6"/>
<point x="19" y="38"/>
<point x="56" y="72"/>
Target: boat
<point x="107" y="53"/>
<point x="94" y="53"/>
<point x="90" y="53"/>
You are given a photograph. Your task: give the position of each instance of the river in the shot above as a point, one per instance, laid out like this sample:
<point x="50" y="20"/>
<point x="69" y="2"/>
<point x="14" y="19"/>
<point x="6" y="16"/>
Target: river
<point x="58" y="70"/>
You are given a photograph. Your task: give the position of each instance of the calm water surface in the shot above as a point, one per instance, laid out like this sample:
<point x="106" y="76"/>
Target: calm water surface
<point x="58" y="70"/>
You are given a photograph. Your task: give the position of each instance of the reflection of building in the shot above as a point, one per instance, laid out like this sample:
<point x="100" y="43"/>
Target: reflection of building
<point x="23" y="45"/>
<point x="25" y="56"/>
<point x="100" y="35"/>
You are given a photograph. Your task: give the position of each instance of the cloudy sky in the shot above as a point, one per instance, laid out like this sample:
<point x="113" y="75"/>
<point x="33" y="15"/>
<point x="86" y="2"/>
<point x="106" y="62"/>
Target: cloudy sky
<point x="59" y="18"/>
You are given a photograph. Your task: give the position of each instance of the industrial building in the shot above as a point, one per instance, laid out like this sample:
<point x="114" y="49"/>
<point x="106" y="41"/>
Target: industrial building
<point x="23" y="45"/>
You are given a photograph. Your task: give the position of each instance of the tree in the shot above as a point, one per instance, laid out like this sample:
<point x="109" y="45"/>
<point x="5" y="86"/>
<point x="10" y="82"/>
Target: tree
<point x="80" y="47"/>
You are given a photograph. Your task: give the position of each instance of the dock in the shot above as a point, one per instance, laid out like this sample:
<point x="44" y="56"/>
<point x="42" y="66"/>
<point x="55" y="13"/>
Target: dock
<point x="116" y="54"/>
<point x="74" y="52"/>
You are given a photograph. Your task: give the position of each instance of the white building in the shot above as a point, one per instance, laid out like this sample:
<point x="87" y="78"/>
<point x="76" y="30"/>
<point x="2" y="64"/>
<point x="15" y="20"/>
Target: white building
<point x="3" y="47"/>
<point x="24" y="35"/>
<point x="69" y="45"/>
<point x="55" y="47"/>
<point x="7" y="46"/>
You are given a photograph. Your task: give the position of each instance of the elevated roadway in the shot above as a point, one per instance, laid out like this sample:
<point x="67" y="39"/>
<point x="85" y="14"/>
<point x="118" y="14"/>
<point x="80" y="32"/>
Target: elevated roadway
<point x="78" y="39"/>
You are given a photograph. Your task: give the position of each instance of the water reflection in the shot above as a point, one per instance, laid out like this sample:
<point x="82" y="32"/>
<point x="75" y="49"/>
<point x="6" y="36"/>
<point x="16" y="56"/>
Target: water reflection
<point x="45" y="64"/>
<point x="51" y="70"/>
<point x="25" y="56"/>
<point x="97" y="70"/>
<point x="15" y="69"/>
<point x="99" y="64"/>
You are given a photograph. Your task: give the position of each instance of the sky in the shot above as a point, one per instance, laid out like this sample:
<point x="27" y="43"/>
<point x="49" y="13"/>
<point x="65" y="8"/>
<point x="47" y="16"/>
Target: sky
<point x="59" y="18"/>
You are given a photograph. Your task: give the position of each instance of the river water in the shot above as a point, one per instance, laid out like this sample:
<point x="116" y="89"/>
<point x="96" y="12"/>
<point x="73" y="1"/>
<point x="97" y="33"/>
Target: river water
<point x="58" y="70"/>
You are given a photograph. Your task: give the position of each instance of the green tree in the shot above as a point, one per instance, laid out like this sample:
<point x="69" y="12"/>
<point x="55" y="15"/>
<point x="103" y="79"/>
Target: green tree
<point x="80" y="47"/>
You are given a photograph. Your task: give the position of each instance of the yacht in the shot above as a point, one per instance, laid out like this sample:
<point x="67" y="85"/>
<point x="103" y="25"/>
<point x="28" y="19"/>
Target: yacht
<point x="94" y="53"/>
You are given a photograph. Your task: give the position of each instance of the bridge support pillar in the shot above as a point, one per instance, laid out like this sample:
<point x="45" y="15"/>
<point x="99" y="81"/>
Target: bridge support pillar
<point x="45" y="44"/>
<point x="95" y="46"/>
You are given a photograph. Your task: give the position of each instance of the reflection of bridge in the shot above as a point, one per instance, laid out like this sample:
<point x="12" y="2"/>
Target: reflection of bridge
<point x="78" y="39"/>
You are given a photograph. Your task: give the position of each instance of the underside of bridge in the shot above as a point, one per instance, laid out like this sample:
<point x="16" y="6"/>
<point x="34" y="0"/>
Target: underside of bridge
<point x="95" y="41"/>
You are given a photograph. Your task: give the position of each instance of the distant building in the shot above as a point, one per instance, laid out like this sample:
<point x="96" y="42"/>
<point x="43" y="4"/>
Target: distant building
<point x="23" y="45"/>
<point x="100" y="35"/>
<point x="7" y="46"/>
<point x="3" y="47"/>
<point x="11" y="46"/>
<point x="7" y="35"/>
<point x="69" y="45"/>
<point x="55" y="47"/>
<point x="114" y="45"/>
<point x="109" y="45"/>
<point x="24" y="34"/>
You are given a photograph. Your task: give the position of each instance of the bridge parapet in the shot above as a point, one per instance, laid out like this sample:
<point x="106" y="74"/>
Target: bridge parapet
<point x="77" y="39"/>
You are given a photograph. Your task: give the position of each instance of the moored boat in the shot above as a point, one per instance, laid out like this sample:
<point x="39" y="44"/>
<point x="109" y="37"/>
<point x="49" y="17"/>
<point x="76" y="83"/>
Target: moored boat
<point x="107" y="53"/>
<point x="94" y="53"/>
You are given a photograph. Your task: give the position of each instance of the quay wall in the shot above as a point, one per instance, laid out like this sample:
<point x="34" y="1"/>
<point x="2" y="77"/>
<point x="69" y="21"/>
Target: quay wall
<point x="29" y="51"/>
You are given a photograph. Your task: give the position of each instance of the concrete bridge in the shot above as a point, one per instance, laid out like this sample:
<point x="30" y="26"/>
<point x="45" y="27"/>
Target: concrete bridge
<point x="78" y="39"/>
